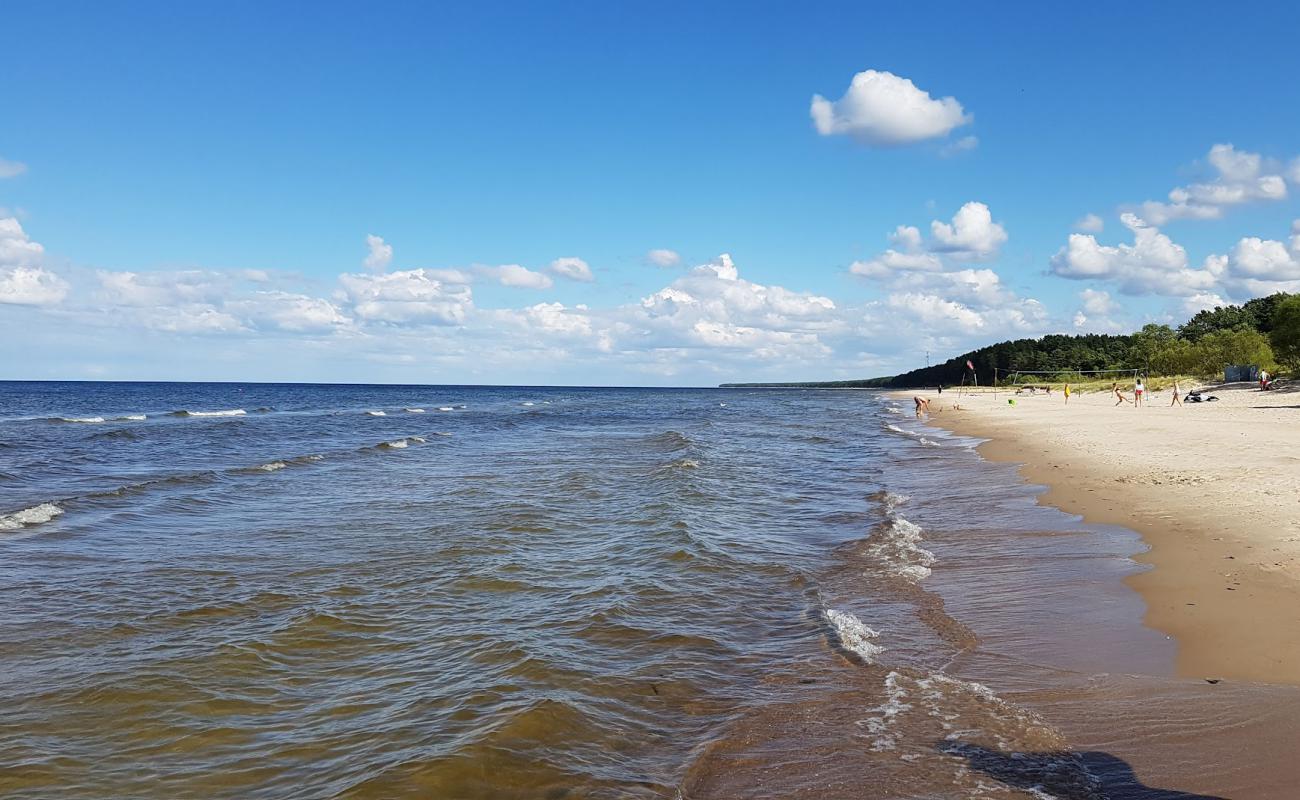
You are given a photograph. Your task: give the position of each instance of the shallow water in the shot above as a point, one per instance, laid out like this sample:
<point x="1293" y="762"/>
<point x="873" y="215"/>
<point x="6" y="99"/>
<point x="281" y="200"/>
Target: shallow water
<point x="513" y="592"/>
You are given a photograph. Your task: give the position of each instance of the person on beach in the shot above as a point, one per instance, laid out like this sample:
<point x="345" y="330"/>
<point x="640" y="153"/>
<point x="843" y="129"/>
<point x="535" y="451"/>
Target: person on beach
<point x="1177" y="401"/>
<point x="1138" y="389"/>
<point x="1263" y="379"/>
<point x="922" y="405"/>
<point x="1119" y="396"/>
<point x="1067" y="394"/>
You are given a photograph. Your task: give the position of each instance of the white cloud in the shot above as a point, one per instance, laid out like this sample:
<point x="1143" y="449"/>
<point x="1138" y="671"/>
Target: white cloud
<point x="1241" y="177"/>
<point x="22" y="281"/>
<point x="575" y="269"/>
<point x="1090" y="223"/>
<point x="16" y="248"/>
<point x="963" y="145"/>
<point x="1096" y="301"/>
<point x="380" y="256"/>
<point x="288" y="311"/>
<point x="663" y="258"/>
<point x="1258" y="266"/>
<point x="31" y="286"/>
<point x="516" y="276"/>
<point x="11" y="169"/>
<point x="971" y="236"/>
<point x="884" y="109"/>
<point x="1153" y="264"/>
<point x="407" y="296"/>
<point x="973" y="233"/>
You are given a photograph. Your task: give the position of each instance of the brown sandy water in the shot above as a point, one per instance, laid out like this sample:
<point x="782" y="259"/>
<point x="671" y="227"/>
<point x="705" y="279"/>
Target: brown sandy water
<point x="595" y="594"/>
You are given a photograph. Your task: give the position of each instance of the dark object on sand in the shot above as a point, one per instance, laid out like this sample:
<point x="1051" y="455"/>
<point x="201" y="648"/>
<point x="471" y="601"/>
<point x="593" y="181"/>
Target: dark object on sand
<point x="1197" y="397"/>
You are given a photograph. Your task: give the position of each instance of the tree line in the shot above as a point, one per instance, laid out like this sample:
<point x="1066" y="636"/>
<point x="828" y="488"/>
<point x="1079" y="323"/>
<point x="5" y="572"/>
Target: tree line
<point x="1264" y="332"/>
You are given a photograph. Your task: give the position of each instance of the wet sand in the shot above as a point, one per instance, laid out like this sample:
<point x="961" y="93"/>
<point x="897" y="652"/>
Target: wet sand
<point x="1213" y="488"/>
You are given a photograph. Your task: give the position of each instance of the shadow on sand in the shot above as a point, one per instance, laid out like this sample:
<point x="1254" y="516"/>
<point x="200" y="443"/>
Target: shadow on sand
<point x="1068" y="775"/>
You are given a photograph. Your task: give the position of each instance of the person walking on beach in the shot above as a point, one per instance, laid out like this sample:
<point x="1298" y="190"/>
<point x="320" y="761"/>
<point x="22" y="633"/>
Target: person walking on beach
<point x="1138" y="388"/>
<point x="1067" y="394"/>
<point x="1177" y="401"/>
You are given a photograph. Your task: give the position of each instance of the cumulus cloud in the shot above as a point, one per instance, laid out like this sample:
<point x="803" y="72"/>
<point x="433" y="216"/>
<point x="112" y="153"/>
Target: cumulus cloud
<point x="288" y="311"/>
<point x="11" y="169"/>
<point x="1258" y="266"/>
<point x="515" y="276"/>
<point x="1152" y="264"/>
<point x="1090" y="223"/>
<point x="1240" y="177"/>
<point x="1096" y="301"/>
<point x="380" y="255"/>
<point x="31" y="286"/>
<point x="406" y="296"/>
<point x="972" y="235"/>
<point x="22" y="281"/>
<point x="575" y="269"/>
<point x="16" y="248"/>
<point x="884" y="109"/>
<point x="663" y="258"/>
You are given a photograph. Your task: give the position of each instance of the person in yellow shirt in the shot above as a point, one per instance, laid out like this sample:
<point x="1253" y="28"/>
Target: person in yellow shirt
<point x="1067" y="394"/>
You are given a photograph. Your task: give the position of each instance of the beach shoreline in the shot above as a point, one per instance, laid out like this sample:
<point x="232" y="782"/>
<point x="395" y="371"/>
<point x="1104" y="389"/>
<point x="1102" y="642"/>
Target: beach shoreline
<point x="1213" y="489"/>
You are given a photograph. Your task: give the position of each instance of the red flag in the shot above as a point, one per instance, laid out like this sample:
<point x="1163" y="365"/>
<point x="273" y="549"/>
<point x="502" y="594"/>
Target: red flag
<point x="969" y="365"/>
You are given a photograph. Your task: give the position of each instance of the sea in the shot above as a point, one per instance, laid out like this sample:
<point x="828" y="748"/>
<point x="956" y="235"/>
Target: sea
<point x="342" y="591"/>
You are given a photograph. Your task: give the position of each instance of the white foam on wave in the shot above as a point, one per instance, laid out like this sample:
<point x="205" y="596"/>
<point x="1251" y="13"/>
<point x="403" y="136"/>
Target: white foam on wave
<point x="376" y="413"/>
<point x="526" y="404"/>
<point x="96" y="420"/>
<point x="882" y="727"/>
<point x="893" y="500"/>
<point x="897" y="546"/>
<point x="930" y="442"/>
<point x="414" y="410"/>
<point x="687" y="463"/>
<point x="400" y="444"/>
<point x="29" y="516"/>
<point x="229" y="412"/>
<point x="272" y="466"/>
<point x="853" y="634"/>
<point x="446" y="408"/>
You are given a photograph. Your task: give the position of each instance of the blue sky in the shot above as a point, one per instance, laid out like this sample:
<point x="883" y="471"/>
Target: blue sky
<point x="189" y="188"/>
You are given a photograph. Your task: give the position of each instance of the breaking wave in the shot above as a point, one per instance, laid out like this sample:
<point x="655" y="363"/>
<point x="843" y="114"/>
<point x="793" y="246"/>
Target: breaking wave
<point x="376" y="413"/>
<point x="852" y="635"/>
<point x="29" y="516"/>
<point x="896" y="546"/>
<point x="96" y="420"/>
<point x="231" y="412"/>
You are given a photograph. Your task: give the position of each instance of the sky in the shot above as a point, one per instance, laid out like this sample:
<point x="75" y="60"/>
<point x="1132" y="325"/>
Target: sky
<point x="631" y="193"/>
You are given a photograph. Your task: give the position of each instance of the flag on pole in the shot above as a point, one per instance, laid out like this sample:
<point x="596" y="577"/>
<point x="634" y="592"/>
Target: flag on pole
<point x="969" y="365"/>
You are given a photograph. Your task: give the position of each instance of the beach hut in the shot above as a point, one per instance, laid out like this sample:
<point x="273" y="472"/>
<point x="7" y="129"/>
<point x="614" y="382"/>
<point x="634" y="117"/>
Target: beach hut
<point x="1241" y="372"/>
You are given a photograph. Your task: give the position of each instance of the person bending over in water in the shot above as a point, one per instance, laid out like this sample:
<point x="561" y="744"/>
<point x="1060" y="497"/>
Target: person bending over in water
<point x="1119" y="396"/>
<point x="922" y="405"/>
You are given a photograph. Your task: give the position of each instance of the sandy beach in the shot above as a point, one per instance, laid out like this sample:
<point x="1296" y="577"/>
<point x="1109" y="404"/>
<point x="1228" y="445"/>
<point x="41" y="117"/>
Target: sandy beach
<point x="1213" y="488"/>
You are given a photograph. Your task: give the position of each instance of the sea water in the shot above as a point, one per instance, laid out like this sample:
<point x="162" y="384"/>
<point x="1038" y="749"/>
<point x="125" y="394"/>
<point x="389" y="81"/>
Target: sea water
<point x="222" y="590"/>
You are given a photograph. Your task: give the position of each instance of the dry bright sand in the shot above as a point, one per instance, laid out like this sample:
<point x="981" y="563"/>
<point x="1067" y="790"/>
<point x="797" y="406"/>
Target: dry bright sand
<point x="1213" y="488"/>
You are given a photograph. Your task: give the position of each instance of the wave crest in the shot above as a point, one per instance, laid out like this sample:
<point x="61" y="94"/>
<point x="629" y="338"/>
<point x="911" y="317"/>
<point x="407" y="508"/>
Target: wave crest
<point x="29" y="516"/>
